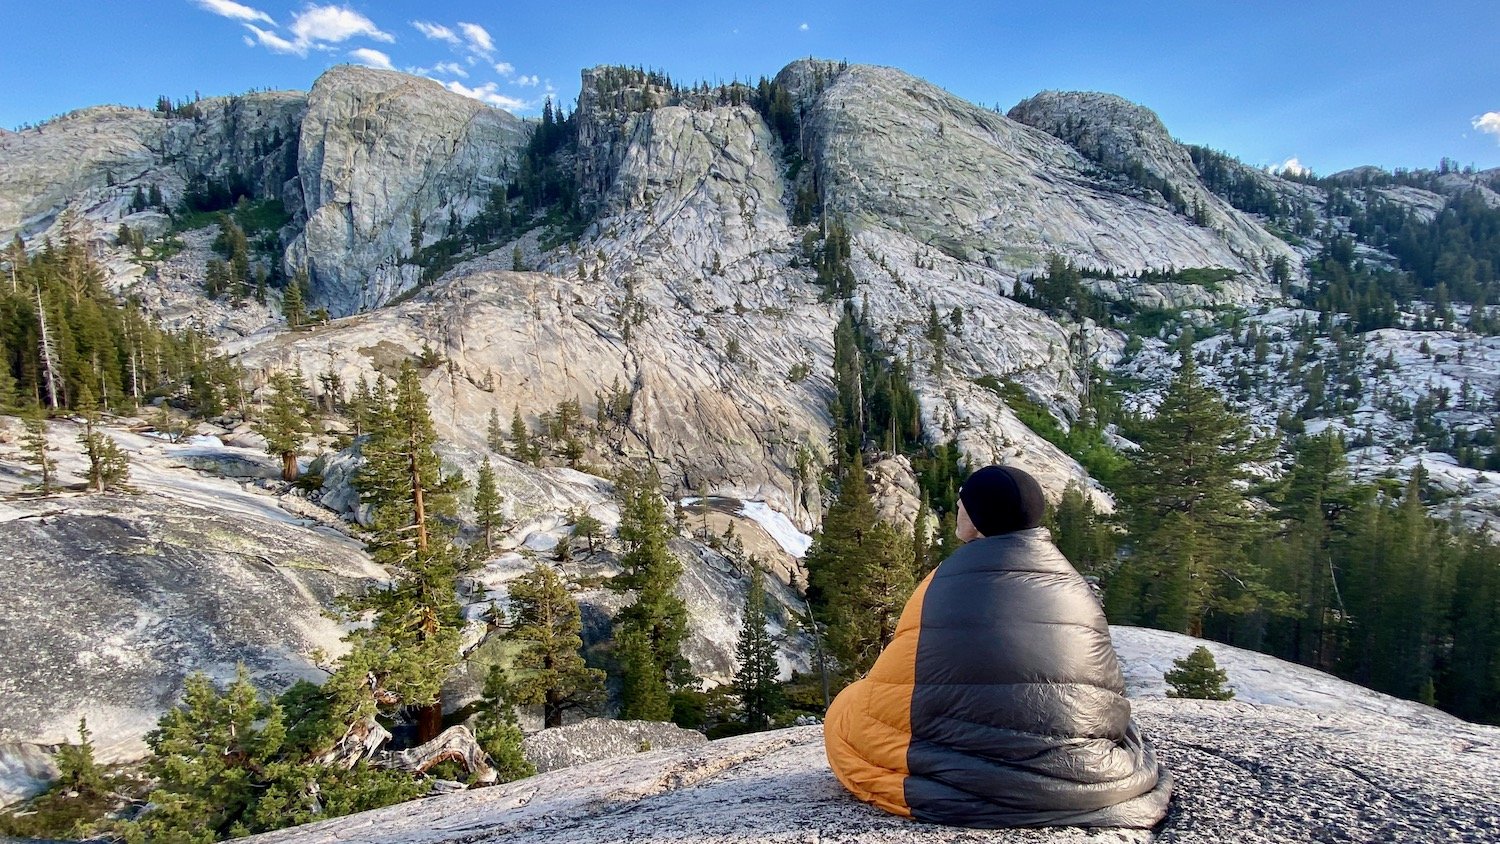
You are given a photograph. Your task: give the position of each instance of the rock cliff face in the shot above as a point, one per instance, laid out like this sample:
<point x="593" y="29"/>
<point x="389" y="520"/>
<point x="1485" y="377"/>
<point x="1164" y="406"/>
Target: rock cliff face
<point x="90" y="162"/>
<point x="1129" y="140"/>
<point x="897" y="152"/>
<point x="379" y="153"/>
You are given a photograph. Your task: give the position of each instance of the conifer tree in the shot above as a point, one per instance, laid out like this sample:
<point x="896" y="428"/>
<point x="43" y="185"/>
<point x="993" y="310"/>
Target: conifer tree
<point x="1188" y="518"/>
<point x="1313" y="505"/>
<point x="8" y="400"/>
<point x="287" y="423"/>
<point x="413" y="640"/>
<point x="497" y="731"/>
<point x="487" y="504"/>
<point x="494" y="433"/>
<point x="76" y="768"/>
<point x="1081" y="534"/>
<point x="228" y="764"/>
<point x="34" y="445"/>
<point x="1198" y="676"/>
<point x="650" y="631"/>
<point x="520" y="439"/>
<point x="108" y="465"/>
<point x="756" y="678"/>
<point x="293" y="305"/>
<point x="644" y="696"/>
<point x="550" y="671"/>
<point x="587" y="527"/>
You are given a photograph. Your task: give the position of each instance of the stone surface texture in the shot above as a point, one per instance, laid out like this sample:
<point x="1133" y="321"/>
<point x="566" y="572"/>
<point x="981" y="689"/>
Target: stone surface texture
<point x="597" y="739"/>
<point x="1244" y="772"/>
<point x="378" y="151"/>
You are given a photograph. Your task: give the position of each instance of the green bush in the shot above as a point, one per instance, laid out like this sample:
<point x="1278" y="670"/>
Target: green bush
<point x="1197" y="676"/>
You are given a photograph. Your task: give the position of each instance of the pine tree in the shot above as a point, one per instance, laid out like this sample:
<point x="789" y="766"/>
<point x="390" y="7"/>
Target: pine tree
<point x="108" y="465"/>
<point x="520" y="439"/>
<point x="293" y="306"/>
<point x="862" y="620"/>
<point x="643" y="694"/>
<point x="494" y="433"/>
<point x="1081" y="534"/>
<point x="550" y="671"/>
<point x="487" y="504"/>
<point x="1198" y="676"/>
<point x="497" y="731"/>
<point x="8" y="400"/>
<point x="587" y="528"/>
<point x="34" y="444"/>
<point x="1314" y="504"/>
<point x="413" y="640"/>
<point x="651" y="630"/>
<point x="287" y="423"/>
<point x="756" y="679"/>
<point x="1189" y="521"/>
<point x="831" y="558"/>
<point x="228" y="764"/>
<point x="76" y="768"/>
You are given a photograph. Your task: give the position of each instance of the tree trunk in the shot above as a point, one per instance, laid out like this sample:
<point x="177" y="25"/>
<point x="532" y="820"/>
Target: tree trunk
<point x="49" y="366"/>
<point x="455" y="743"/>
<point x="430" y="721"/>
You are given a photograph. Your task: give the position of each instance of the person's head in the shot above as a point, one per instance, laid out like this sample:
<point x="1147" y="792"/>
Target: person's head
<point x="997" y="500"/>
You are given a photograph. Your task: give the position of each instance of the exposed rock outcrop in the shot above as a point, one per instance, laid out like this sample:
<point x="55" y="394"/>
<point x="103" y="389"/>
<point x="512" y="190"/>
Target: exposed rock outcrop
<point x="92" y="161"/>
<point x="597" y="739"/>
<point x="1129" y="140"/>
<point x="381" y="153"/>
<point x="1255" y="774"/>
<point x="114" y="599"/>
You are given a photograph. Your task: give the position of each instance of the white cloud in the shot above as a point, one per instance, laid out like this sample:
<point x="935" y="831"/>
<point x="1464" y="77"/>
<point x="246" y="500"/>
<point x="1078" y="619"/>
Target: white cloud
<point x="234" y="11"/>
<point x="528" y="81"/>
<point x="505" y="68"/>
<point x="436" y="32"/>
<point x="489" y="94"/>
<point x="318" y="27"/>
<point x="451" y="68"/>
<point x="802" y="28"/>
<point x="275" y="43"/>
<point x="1488" y="123"/>
<point x="372" y="58"/>
<point x="334" y="24"/>
<point x="478" y="38"/>
<point x="1290" y="167"/>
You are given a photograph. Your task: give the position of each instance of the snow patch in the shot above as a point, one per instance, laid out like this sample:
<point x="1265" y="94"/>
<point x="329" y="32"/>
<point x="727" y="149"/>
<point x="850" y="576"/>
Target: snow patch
<point x="781" y="529"/>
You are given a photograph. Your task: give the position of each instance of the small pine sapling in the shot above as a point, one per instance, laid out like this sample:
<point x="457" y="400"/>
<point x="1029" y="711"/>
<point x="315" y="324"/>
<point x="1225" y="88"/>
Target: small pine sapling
<point x="1197" y="676"/>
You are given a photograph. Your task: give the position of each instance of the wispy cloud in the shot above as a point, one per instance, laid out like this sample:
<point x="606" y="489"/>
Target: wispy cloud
<point x="803" y="28"/>
<point x="505" y="68"/>
<point x="437" y="32"/>
<point x="1488" y="123"/>
<point x="234" y="11"/>
<point x="372" y="58"/>
<point x="528" y="81"/>
<point x="273" y="42"/>
<point x="479" y="39"/>
<point x="489" y="94"/>
<point x="451" y="68"/>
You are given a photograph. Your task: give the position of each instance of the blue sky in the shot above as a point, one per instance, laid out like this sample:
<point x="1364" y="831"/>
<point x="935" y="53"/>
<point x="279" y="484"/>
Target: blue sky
<point x="1330" y="84"/>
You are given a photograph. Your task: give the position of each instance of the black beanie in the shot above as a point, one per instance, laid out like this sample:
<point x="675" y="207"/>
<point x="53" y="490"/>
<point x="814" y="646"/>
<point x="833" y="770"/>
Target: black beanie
<point x="1002" y="499"/>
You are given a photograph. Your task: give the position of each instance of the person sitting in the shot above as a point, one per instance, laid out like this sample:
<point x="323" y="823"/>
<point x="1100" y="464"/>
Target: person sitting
<point x="999" y="701"/>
